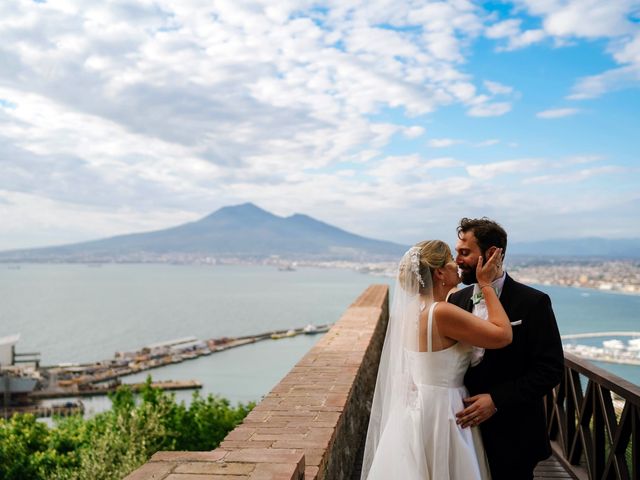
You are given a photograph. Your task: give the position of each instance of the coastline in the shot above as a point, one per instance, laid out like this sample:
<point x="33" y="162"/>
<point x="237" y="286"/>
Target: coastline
<point x="615" y="277"/>
<point x="587" y="290"/>
<point x="606" y="276"/>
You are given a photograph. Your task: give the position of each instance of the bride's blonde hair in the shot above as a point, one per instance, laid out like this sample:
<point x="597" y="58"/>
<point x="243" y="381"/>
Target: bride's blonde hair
<point x="433" y="254"/>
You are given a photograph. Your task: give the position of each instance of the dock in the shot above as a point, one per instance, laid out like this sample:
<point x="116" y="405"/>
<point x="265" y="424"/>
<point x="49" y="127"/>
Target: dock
<point x="91" y="391"/>
<point x="41" y="411"/>
<point x="72" y="380"/>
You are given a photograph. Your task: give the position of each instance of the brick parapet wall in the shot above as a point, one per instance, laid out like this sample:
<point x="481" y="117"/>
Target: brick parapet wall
<point x="312" y="422"/>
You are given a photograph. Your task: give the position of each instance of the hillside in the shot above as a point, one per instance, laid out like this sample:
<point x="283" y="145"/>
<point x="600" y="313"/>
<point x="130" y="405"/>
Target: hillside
<point x="235" y="231"/>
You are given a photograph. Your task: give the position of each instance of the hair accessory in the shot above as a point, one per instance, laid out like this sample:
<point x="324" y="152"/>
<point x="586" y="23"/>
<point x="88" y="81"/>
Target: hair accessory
<point x="414" y="253"/>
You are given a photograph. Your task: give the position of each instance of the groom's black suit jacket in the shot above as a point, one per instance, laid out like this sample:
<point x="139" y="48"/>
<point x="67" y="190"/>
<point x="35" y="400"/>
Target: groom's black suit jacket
<point x="517" y="377"/>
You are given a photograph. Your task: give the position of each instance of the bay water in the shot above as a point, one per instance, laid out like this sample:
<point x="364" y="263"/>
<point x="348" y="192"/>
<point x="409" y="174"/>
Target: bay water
<point x="83" y="313"/>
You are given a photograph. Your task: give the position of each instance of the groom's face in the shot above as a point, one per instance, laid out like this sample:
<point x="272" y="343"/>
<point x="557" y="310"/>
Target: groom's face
<point x="467" y="254"/>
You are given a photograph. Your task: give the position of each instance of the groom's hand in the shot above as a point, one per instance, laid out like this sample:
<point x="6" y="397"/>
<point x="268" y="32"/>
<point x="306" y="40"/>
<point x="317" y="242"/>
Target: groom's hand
<point x="479" y="408"/>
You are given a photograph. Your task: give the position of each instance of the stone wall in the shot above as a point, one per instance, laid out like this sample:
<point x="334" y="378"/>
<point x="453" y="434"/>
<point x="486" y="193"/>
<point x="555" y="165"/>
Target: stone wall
<point x="311" y="424"/>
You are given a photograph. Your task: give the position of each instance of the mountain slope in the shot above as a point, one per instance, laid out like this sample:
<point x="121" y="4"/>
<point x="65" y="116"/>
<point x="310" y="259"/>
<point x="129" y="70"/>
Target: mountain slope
<point x="249" y="231"/>
<point x="235" y="231"/>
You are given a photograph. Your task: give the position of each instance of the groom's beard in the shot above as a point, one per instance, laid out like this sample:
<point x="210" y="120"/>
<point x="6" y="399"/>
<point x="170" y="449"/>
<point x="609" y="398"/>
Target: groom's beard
<point x="468" y="274"/>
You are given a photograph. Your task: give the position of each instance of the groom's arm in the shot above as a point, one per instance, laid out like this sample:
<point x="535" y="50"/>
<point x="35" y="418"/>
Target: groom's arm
<point x="543" y="356"/>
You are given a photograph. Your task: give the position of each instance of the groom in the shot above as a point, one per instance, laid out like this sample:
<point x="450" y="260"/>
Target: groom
<point x="507" y="385"/>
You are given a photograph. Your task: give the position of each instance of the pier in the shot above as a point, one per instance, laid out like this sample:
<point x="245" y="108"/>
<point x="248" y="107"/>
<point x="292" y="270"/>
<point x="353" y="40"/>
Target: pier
<point x="93" y="391"/>
<point x="89" y="379"/>
<point x="41" y="411"/>
<point x="103" y="377"/>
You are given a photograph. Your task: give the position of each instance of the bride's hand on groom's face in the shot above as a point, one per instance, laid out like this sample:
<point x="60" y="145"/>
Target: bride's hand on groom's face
<point x="487" y="272"/>
<point x="479" y="409"/>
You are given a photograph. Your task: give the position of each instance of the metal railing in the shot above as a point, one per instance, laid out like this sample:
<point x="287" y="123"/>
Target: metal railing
<point x="594" y="422"/>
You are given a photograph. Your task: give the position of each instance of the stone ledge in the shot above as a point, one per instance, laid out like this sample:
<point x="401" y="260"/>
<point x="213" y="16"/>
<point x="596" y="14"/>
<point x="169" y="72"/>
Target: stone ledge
<point x="311" y="423"/>
<point x="249" y="463"/>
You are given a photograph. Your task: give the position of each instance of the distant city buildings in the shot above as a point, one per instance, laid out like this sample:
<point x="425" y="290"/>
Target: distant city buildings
<point x="614" y="275"/>
<point x="601" y="274"/>
<point x="605" y="275"/>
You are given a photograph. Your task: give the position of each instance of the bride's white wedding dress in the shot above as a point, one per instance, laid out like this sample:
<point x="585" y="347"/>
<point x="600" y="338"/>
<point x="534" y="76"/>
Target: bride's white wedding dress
<point x="423" y="442"/>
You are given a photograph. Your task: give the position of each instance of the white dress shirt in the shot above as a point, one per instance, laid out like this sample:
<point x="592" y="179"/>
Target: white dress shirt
<point x="480" y="310"/>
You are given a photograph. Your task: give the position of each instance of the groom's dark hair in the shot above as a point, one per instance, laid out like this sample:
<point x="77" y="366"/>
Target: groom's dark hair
<point x="488" y="233"/>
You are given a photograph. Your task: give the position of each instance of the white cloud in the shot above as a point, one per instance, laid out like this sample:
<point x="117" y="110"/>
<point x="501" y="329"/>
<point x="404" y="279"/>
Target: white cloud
<point x="614" y="79"/>
<point x="86" y="149"/>
<point x="442" y="22"/>
<point x="629" y="52"/>
<point x="567" y="20"/>
<point x="488" y="109"/>
<point x="490" y="170"/>
<point x="491" y="104"/>
<point x="462" y="91"/>
<point x="62" y="222"/>
<point x="584" y="18"/>
<point x="574" y="177"/>
<point x="126" y="116"/>
<point x="413" y="132"/>
<point x="443" y="162"/>
<point x="582" y="159"/>
<point x="443" y="142"/>
<point x="410" y="169"/>
<point x="496" y="88"/>
<point x="504" y="29"/>
<point x="558" y="113"/>
<point x="448" y="142"/>
<point x="515" y="37"/>
<point x="190" y="101"/>
<point x="526" y="38"/>
<point x="253" y="57"/>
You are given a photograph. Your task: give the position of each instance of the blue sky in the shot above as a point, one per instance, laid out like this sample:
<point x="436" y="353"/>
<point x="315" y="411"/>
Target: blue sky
<point x="389" y="119"/>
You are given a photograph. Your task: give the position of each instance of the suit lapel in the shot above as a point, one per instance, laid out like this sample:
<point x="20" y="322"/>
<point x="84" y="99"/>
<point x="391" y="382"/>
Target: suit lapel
<point x="465" y="299"/>
<point x="506" y="294"/>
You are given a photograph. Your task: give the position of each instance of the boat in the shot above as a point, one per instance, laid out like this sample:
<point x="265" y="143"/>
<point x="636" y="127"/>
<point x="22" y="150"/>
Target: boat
<point x="288" y="333"/>
<point x="17" y="382"/>
<point x="613" y="344"/>
<point x="15" y="379"/>
<point x="289" y="267"/>
<point x="634" y="344"/>
<point x="313" y="329"/>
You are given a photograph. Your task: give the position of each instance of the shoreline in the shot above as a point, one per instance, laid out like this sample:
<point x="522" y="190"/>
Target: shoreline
<point x="577" y="280"/>
<point x="587" y="290"/>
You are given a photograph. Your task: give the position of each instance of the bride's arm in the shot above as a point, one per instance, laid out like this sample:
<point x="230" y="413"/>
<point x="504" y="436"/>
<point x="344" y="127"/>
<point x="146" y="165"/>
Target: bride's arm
<point x="456" y="323"/>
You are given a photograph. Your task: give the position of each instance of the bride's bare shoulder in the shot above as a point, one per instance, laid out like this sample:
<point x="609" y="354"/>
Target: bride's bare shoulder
<point x="449" y="313"/>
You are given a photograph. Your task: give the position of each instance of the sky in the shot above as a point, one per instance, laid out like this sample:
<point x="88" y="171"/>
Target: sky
<point x="390" y="119"/>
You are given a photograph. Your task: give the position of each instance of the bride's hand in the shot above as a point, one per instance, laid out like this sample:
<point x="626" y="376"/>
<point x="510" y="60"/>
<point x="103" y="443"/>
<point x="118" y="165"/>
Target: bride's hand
<point x="487" y="272"/>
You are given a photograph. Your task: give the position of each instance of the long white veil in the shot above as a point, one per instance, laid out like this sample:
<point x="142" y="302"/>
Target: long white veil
<point x="395" y="390"/>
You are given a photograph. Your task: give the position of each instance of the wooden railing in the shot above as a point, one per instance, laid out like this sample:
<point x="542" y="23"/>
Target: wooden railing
<point x="594" y="422"/>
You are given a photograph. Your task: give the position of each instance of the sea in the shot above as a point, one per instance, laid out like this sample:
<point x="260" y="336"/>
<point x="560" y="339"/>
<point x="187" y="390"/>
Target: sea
<point x="74" y="313"/>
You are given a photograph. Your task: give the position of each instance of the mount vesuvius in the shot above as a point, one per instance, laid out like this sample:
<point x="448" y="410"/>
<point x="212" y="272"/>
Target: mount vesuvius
<point x="230" y="232"/>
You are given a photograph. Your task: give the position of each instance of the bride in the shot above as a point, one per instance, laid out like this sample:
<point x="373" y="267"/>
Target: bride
<point x="413" y="434"/>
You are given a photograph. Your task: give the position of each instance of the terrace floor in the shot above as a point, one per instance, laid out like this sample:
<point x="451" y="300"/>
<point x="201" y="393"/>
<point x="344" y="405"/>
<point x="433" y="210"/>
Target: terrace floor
<point x="550" y="468"/>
